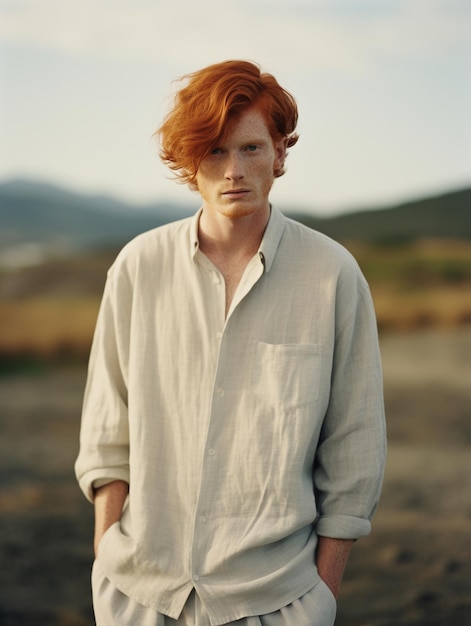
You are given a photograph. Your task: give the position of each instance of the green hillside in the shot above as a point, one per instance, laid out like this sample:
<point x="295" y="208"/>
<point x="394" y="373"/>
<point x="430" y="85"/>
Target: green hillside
<point x="44" y="214"/>
<point x="445" y="216"/>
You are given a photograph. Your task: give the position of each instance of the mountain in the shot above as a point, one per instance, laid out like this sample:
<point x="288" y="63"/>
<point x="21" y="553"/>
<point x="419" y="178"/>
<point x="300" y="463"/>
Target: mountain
<point x="45" y="214"/>
<point x="445" y="216"/>
<point x="55" y="218"/>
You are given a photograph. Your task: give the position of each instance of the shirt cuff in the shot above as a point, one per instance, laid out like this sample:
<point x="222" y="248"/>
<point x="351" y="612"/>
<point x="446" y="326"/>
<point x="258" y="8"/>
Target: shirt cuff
<point x="343" y="527"/>
<point x="98" y="478"/>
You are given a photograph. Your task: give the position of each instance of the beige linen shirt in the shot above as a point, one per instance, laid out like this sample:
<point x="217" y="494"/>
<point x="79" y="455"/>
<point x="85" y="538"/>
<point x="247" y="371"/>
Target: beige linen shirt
<point x="243" y="437"/>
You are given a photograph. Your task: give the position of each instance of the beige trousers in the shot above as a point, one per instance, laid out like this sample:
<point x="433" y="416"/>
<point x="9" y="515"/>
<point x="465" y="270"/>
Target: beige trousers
<point x="113" y="608"/>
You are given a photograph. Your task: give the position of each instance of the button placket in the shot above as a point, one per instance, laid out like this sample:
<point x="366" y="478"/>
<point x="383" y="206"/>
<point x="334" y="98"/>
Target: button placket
<point x="203" y="513"/>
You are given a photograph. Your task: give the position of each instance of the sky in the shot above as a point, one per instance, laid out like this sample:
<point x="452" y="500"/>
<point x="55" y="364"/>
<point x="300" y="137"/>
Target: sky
<point x="383" y="89"/>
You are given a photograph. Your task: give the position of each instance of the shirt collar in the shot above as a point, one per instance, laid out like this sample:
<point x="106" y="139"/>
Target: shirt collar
<point x="194" y="241"/>
<point x="270" y="240"/>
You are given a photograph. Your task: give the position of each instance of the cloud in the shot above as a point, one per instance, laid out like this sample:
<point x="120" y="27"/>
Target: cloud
<point x="423" y="29"/>
<point x="314" y="34"/>
<point x="172" y="33"/>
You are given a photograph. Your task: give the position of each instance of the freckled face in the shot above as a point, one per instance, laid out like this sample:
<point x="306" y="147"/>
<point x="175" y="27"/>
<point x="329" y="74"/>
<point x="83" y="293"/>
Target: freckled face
<point x="235" y="179"/>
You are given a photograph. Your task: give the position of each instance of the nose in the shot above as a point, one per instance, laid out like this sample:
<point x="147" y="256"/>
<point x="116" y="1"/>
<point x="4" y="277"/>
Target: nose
<point x="234" y="168"/>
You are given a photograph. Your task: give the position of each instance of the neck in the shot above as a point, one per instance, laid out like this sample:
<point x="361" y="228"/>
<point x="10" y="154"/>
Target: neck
<point x="230" y="243"/>
<point x="223" y="235"/>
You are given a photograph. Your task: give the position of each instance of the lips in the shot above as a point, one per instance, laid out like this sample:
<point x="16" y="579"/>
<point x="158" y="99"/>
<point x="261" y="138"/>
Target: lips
<point x="235" y="192"/>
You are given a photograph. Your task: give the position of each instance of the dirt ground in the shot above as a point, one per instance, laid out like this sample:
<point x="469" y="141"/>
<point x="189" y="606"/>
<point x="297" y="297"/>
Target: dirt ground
<point x="414" y="569"/>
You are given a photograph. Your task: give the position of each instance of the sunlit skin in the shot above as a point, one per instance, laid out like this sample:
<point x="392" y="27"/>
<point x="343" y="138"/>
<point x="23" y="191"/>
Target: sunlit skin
<point x="235" y="179"/>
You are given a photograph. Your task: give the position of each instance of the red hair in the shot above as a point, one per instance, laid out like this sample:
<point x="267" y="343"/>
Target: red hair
<point x="212" y="97"/>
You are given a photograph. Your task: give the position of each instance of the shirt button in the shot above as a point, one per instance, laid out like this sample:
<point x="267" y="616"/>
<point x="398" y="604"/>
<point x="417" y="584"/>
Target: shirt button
<point x="220" y="391"/>
<point x="203" y="519"/>
<point x="211" y="452"/>
<point x="218" y="335"/>
<point x="196" y="577"/>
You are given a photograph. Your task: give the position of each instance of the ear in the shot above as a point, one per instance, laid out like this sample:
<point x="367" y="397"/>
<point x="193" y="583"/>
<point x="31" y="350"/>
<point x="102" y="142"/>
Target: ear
<point x="281" y="150"/>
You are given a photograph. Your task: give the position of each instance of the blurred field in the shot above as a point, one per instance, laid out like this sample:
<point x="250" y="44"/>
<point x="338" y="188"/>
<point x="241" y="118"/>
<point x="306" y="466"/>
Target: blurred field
<point x="50" y="310"/>
<point x="415" y="568"/>
<point x="423" y="284"/>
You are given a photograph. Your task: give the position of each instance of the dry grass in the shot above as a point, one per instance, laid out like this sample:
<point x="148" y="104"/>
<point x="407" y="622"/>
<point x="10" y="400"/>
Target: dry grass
<point x="48" y="326"/>
<point x="446" y="306"/>
<point x="422" y="284"/>
<point x="63" y="327"/>
<point x="50" y="311"/>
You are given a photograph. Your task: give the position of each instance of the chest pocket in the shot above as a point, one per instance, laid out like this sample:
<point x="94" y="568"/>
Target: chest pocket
<point x="286" y="376"/>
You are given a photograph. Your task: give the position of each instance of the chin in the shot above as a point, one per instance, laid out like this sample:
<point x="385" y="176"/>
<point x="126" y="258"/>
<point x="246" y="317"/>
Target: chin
<point x="240" y="210"/>
<point x="238" y="213"/>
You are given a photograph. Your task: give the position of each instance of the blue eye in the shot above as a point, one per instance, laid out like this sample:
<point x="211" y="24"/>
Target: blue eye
<point x="216" y="151"/>
<point x="251" y="148"/>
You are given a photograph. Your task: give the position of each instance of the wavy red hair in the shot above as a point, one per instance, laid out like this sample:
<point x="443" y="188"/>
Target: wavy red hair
<point x="211" y="98"/>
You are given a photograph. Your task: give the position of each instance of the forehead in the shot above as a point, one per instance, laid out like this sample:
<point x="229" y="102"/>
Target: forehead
<point x="250" y="123"/>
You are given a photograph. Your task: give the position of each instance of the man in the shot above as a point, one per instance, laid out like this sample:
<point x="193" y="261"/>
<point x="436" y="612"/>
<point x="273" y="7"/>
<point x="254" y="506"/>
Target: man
<point x="233" y="436"/>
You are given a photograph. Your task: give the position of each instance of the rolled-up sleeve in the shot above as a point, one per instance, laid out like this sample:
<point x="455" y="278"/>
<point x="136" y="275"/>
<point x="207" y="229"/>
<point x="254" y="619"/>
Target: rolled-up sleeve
<point x="104" y="435"/>
<point x="350" y="459"/>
